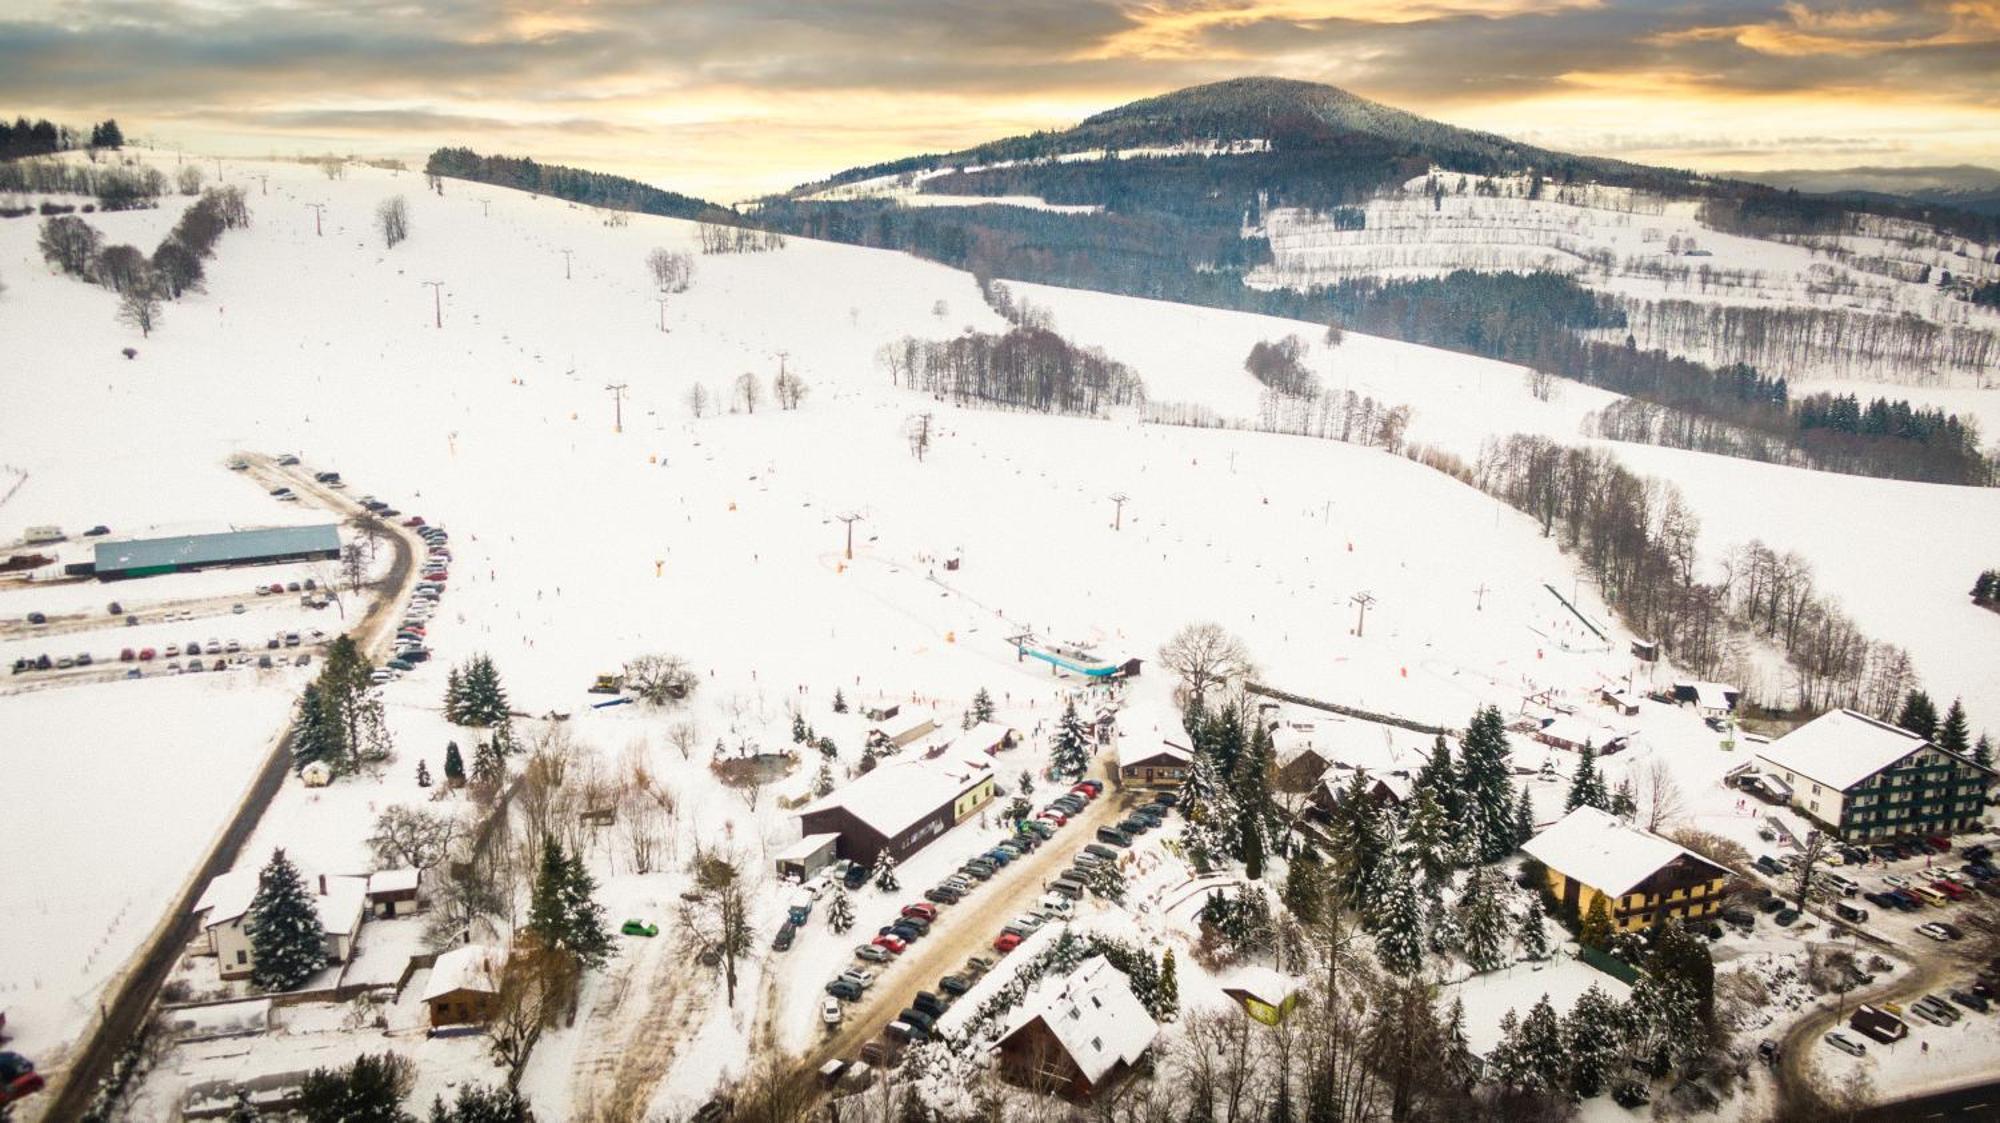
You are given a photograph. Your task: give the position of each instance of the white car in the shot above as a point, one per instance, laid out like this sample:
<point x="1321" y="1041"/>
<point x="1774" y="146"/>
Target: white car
<point x="1846" y="1044"/>
<point x="830" y="1012"/>
<point x="1898" y="881"/>
<point x="1934" y="931"/>
<point x="859" y="976"/>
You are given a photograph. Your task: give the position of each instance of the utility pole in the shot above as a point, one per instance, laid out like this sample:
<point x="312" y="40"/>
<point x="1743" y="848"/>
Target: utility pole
<point x="850" y="518"/>
<point x="1118" y="511"/>
<point x="263" y="183"/>
<point x="437" y="300"/>
<point x="618" y="405"/>
<point x="661" y="300"/>
<point x="1480" y="604"/>
<point x="486" y="208"/>
<point x="1364" y="599"/>
<point x="317" y="210"/>
<point x="566" y="254"/>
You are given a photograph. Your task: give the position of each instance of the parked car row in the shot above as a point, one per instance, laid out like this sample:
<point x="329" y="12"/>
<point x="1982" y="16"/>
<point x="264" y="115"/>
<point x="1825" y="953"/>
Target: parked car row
<point x="411" y="634"/>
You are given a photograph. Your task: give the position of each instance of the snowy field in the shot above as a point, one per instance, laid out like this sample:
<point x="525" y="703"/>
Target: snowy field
<point x="578" y="547"/>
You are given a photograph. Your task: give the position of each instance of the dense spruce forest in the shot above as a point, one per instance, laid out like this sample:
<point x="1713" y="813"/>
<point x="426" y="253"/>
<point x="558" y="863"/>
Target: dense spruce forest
<point x="43" y="137"/>
<point x="595" y="189"/>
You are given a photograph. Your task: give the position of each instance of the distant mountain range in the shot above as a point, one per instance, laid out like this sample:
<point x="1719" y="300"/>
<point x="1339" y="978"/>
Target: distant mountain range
<point x="1965" y="186"/>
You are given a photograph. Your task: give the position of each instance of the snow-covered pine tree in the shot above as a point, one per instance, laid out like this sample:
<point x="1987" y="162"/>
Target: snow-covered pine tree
<point x="454" y="764"/>
<point x="828" y="751"/>
<point x="488" y="768"/>
<point x="840" y="912"/>
<point x="547" y="915"/>
<point x="1586" y="787"/>
<point x="1982" y="751"/>
<point x="1430" y="835"/>
<point x="1107" y="881"/>
<point x="839" y="701"/>
<point x="1458" y="1065"/>
<point x="589" y="936"/>
<point x="1919" y="714"/>
<point x="315" y="736"/>
<point x="1398" y="917"/>
<point x="423" y="774"/>
<point x="884" y="875"/>
<point x="982" y="706"/>
<point x="798" y="728"/>
<point x="1524" y="817"/>
<point x="1443" y="933"/>
<point x="1625" y="799"/>
<point x="287" y="943"/>
<point x="1488" y="786"/>
<point x="1254" y="809"/>
<point x="1170" y="985"/>
<point x="1534" y="931"/>
<point x="1358" y="843"/>
<point x="1545" y="1060"/>
<point x="1484" y="918"/>
<point x="454" y="697"/>
<point x="1505" y="1064"/>
<point x="483" y="700"/>
<point x="1026" y="782"/>
<point x="1072" y="748"/>
<point x="1954" y="734"/>
<point x="1591" y="1038"/>
<point x="1205" y="805"/>
<point x="1440" y="777"/>
<point x="823" y="781"/>
<point x="1305" y="887"/>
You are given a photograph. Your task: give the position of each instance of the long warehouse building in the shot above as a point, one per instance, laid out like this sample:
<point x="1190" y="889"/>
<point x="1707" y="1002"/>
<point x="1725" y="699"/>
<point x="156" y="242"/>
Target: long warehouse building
<point x="147" y="557"/>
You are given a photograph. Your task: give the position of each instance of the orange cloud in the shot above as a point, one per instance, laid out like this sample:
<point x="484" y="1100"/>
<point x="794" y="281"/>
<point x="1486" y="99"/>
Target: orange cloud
<point x="1164" y="30"/>
<point x="1803" y="32"/>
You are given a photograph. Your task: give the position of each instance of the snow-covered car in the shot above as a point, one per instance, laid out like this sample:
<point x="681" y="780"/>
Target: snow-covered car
<point x="1845" y="1044"/>
<point x="829" y="1011"/>
<point x="873" y="954"/>
<point x="1934" y="931"/>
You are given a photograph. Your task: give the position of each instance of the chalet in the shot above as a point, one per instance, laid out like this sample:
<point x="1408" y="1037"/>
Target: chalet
<point x="464" y="987"/>
<point x="1643" y="877"/>
<point x="390" y="889"/>
<point x="1144" y="762"/>
<point x="1298" y="757"/>
<point x="900" y="729"/>
<point x="1077" y="1034"/>
<point x="224" y="906"/>
<point x="899" y="807"/>
<point x="1624" y="702"/>
<point x="1865" y="779"/>
<point x="1384" y="789"/>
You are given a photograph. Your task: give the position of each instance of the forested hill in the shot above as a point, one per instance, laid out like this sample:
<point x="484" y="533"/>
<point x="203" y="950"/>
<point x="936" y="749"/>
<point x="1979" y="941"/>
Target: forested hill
<point x="575" y="184"/>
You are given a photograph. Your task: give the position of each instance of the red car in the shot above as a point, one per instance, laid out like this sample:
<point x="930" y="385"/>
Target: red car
<point x="1084" y="790"/>
<point x="414" y="521"/>
<point x="127" y="655"/>
<point x="891" y="944"/>
<point x="1056" y="817"/>
<point x="928" y="912"/>
<point x="146" y="654"/>
<point x="1950" y="889"/>
<point x="1007" y="942"/>
<point x="277" y="588"/>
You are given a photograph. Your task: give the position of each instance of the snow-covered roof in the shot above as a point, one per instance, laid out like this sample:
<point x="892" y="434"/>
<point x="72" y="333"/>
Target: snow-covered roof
<point x="1580" y="729"/>
<point x="1133" y="749"/>
<point x="341" y="905"/>
<point x="985" y="737"/>
<point x="1709" y="695"/>
<point x="1292" y="740"/>
<point x="473" y="967"/>
<point x="1605" y="852"/>
<point x="1841" y="748"/>
<point x="227" y="897"/>
<point x="393" y="881"/>
<point x="804" y="848"/>
<point x="1093" y="1014"/>
<point x="896" y="794"/>
<point x="905" y="724"/>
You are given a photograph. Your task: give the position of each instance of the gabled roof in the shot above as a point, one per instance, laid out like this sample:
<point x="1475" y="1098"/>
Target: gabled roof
<point x="227" y="897"/>
<point x="340" y="907"/>
<point x="1842" y="748"/>
<point x="1137" y="750"/>
<point x="897" y="794"/>
<point x="1092" y="1014"/>
<point x="393" y="881"/>
<point x="904" y="724"/>
<point x="985" y="737"/>
<point x="474" y="967"/>
<point x="1606" y="853"/>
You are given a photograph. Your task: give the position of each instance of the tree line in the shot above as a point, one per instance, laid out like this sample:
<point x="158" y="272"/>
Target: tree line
<point x="577" y="185"/>
<point x="1024" y="368"/>
<point x="116" y="187"/>
<point x="76" y="248"/>
<point x="43" y="137"/>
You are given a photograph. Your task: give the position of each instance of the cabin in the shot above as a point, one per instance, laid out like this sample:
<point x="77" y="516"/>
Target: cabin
<point x="464" y="987"/>
<point x="900" y="729"/>
<point x="1712" y="699"/>
<point x="807" y="856"/>
<point x="1076" y="1035"/>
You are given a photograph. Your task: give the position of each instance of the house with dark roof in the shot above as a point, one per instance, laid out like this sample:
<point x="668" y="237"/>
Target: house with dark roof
<point x="1075" y="1035"/>
<point x="1643" y="878"/>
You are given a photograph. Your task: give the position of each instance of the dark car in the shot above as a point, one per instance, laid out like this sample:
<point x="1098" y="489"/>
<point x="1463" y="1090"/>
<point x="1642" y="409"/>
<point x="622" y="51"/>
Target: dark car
<point x="943" y="894"/>
<point x="1786" y="917"/>
<point x="1970" y="1001"/>
<point x="857" y="876"/>
<point x="1770" y="905"/>
<point x="1135" y="826"/>
<point x="915" y="1017"/>
<point x="954" y="985"/>
<point x="1882" y="900"/>
<point x="845" y="989"/>
<point x="97" y="531"/>
<point x="928" y="1003"/>
<point x="783" y="941"/>
<point x="1739" y="917"/>
<point x="37" y="618"/>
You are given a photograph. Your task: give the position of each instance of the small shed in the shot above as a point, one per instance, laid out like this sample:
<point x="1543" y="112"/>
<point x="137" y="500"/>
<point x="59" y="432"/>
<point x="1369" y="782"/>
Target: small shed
<point x="807" y="856"/>
<point x="464" y="987"/>
<point x="1625" y="702"/>
<point x="900" y="729"/>
<point x="388" y="889"/>
<point x="1267" y="996"/>
<point x="881" y="711"/>
<point x="1707" y="697"/>
<point x="316" y="774"/>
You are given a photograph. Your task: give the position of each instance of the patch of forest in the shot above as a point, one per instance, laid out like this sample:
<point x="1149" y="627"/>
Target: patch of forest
<point x="597" y="189"/>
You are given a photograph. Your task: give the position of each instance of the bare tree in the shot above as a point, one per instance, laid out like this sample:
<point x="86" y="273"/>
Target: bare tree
<point x="140" y="308"/>
<point x="697" y="399"/>
<point x="536" y="986"/>
<point x="392" y="218"/>
<point x="1807" y="864"/>
<point x="671" y="271"/>
<point x="645" y="807"/>
<point x="1540" y="383"/>
<point x="188" y="178"/>
<point x="412" y="836"/>
<point x="789" y="389"/>
<point x="748" y="391"/>
<point x="715" y="915"/>
<point x="354" y="566"/>
<point x="683" y="736"/>
<point x="1661" y="796"/>
<point x="1205" y="655"/>
<point x="918" y="429"/>
<point x="661" y="680"/>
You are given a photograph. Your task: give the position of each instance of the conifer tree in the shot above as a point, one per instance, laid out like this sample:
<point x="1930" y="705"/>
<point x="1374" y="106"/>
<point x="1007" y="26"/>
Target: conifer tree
<point x="423" y="774"/>
<point x="982" y="706"/>
<point x="1443" y="933"/>
<point x="1524" y="817"/>
<point x="1359" y="844"/>
<point x="1590" y="1038"/>
<point x="1107" y="881"/>
<point x="1026" y="782"/>
<point x="287" y="943"/>
<point x="1504" y="1063"/>
<point x="823" y="781"/>
<point x="454" y="697"/>
<point x="1484" y="917"/>
<point x="488" y="768"/>
<point x="1982" y="751"/>
<point x="798" y="728"/>
<point x="1624" y="799"/>
<point x="1398" y="920"/>
<point x="546" y="916"/>
<point x="454" y="764"/>
<point x="1534" y="931"/>
<point x="589" y="936"/>
<point x="1953" y="734"/>
<point x="1918" y="715"/>
<point x="1596" y="931"/>
<point x="315" y="737"/>
<point x="1253" y="804"/>
<point x="1459" y="1065"/>
<point x="828" y="751"/>
<point x="1488" y="787"/>
<point x="1205" y="806"/>
<point x="1431" y="836"/>
<point x="1440" y="777"/>
<point x="1586" y="787"/>
<point x="1305" y="887"/>
<point x="884" y="875"/>
<point x="1170" y="987"/>
<point x="1072" y="752"/>
<point x="839" y="701"/>
<point x="840" y="912"/>
<point x="1545" y="1060"/>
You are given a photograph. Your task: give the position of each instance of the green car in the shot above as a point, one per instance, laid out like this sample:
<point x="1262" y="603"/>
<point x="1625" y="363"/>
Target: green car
<point x="640" y="928"/>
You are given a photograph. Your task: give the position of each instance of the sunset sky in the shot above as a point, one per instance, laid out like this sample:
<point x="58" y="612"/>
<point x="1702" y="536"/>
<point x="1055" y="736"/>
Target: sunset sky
<point x="729" y="100"/>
